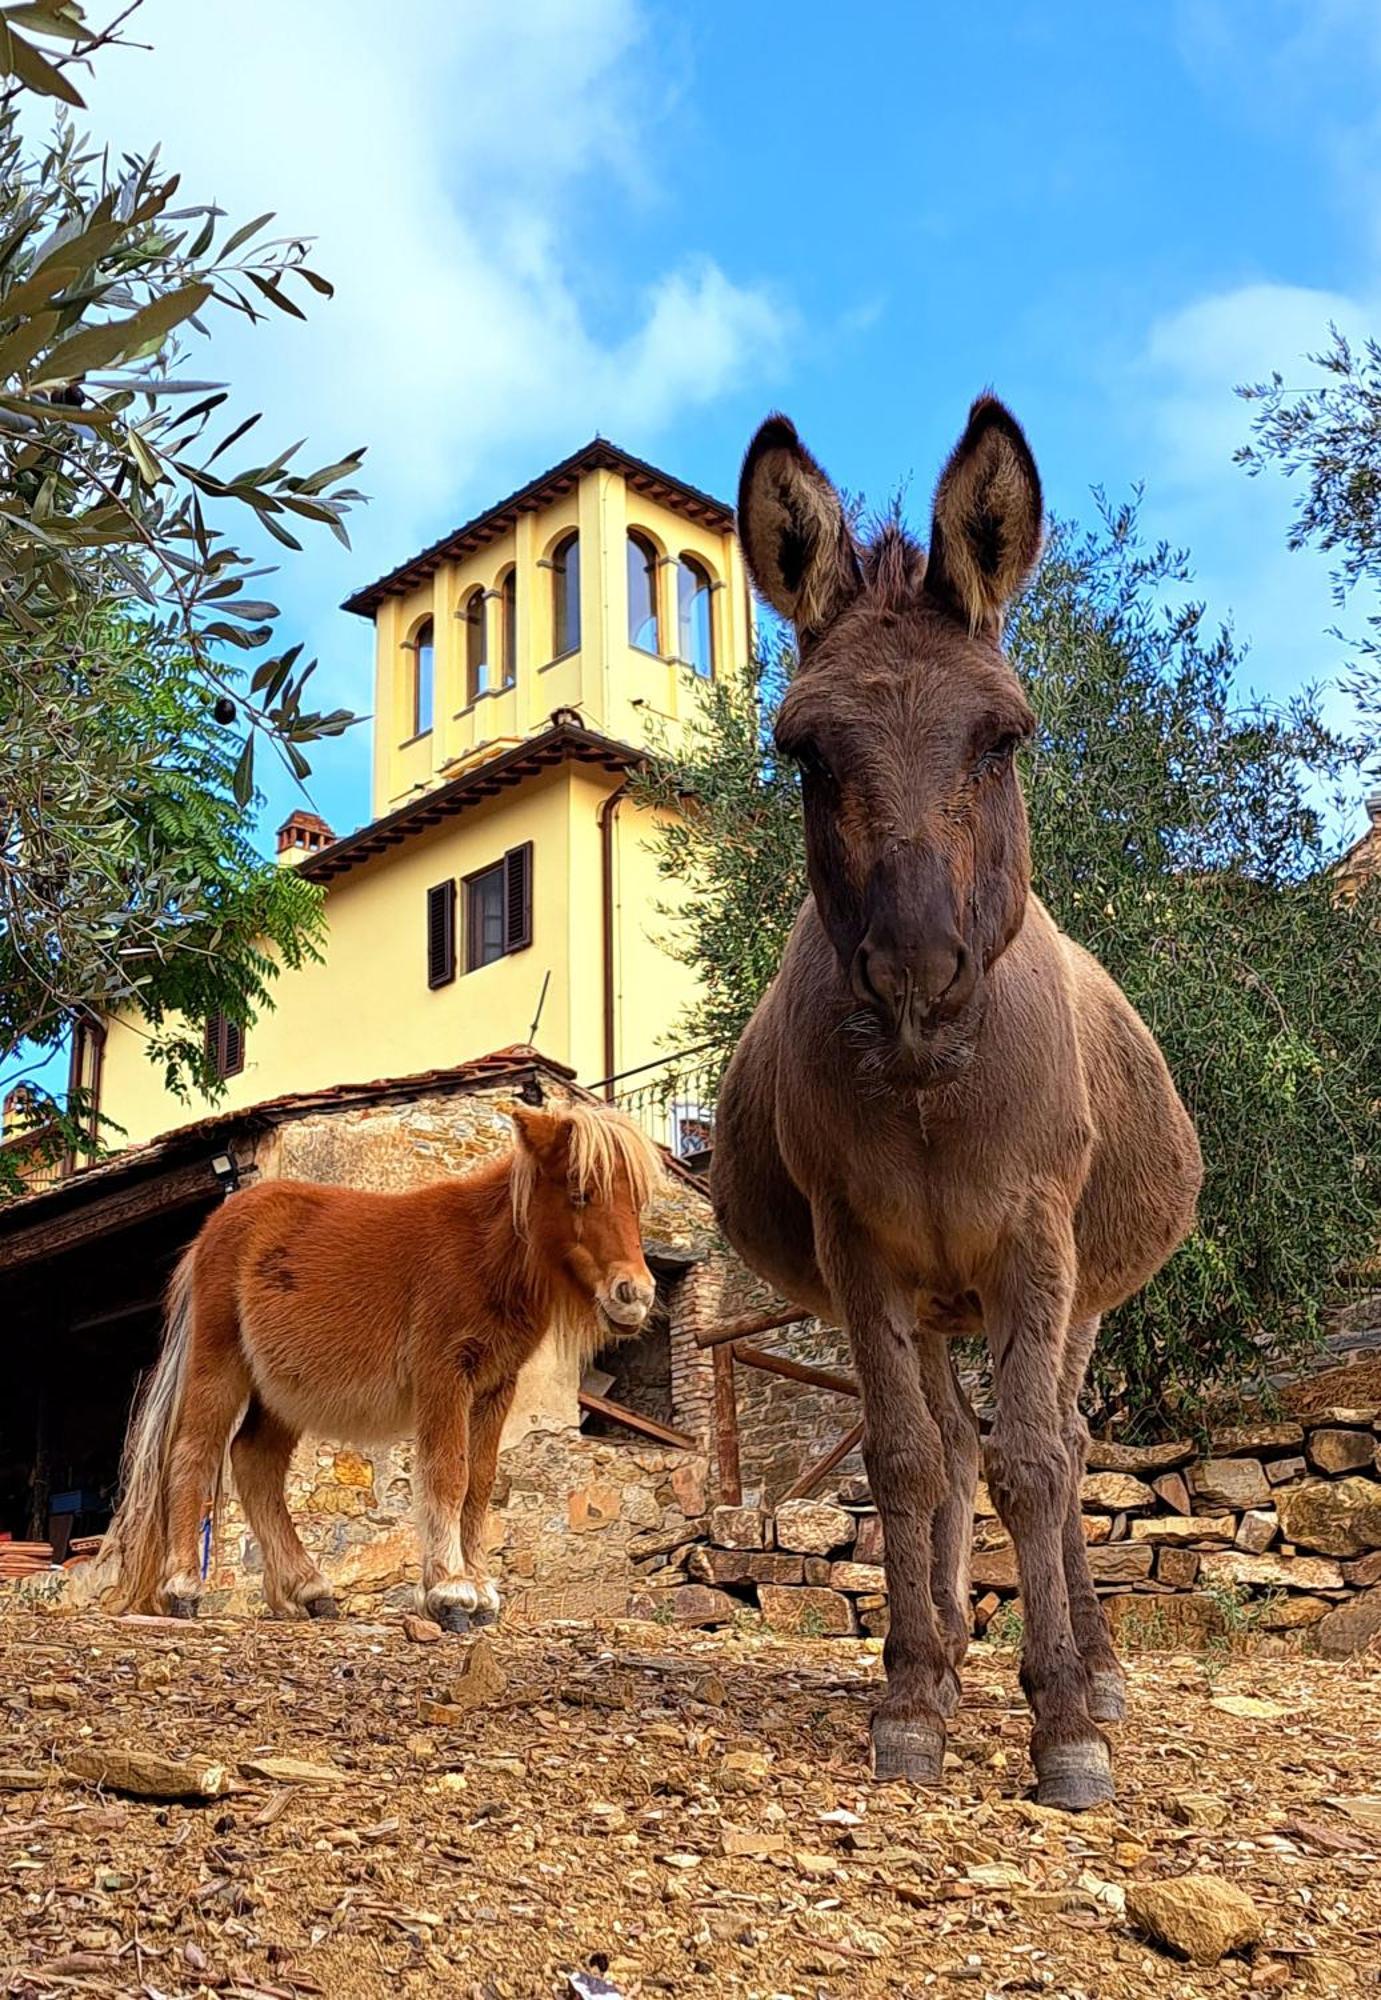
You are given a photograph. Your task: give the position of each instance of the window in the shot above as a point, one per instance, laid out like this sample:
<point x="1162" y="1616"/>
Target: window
<point x="695" y="616"/>
<point x="643" y="628"/>
<point x="423" y="662"/>
<point x="498" y="908"/>
<point x="476" y="663"/>
<point x="565" y="596"/>
<point x="508" y="596"/>
<point x="441" y="934"/>
<point x="225" y="1045"/>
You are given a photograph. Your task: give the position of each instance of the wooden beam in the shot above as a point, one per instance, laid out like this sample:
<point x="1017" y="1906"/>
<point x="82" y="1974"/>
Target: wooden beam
<point x="602" y="1406"/>
<point x="794" y="1371"/>
<point x="813" y="1474"/>
<point x="754" y="1323"/>
<point x="87" y="1221"/>
<point x="726" y="1429"/>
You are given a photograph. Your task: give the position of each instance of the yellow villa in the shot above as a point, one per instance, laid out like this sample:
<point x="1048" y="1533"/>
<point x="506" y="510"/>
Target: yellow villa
<point x="505" y="889"/>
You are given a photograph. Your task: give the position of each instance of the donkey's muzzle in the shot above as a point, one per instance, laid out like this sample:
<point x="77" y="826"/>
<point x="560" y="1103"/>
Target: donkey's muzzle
<point x="914" y="990"/>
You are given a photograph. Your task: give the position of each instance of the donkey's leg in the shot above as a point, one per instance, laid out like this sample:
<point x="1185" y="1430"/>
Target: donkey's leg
<point x="214" y="1391"/>
<point x="952" y="1528"/>
<point x="487" y="1420"/>
<point x="904" y="1455"/>
<point x="260" y="1455"/>
<point x="443" y="1478"/>
<point x="1026" y="1315"/>
<point x="1107" y="1687"/>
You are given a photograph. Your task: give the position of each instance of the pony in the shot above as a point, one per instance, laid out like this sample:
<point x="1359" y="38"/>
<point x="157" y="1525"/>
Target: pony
<point x="367" y="1317"/>
<point x="944" y="1116"/>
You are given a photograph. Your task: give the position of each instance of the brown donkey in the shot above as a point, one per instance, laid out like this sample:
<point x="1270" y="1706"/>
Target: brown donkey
<point x="366" y="1317"/>
<point x="944" y="1115"/>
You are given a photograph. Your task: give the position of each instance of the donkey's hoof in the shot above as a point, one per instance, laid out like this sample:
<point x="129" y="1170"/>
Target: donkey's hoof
<point x="182" y="1607"/>
<point x="1107" y="1695"/>
<point x="453" y="1617"/>
<point x="913" y="1751"/>
<point x="1075" y="1777"/>
<point x="324" y="1606"/>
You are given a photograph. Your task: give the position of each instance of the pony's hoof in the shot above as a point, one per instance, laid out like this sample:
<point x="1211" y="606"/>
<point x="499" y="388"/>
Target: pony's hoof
<point x="454" y="1617"/>
<point x="1075" y="1777"/>
<point x="324" y="1606"/>
<point x="910" y="1751"/>
<point x="484" y="1614"/>
<point x="1107" y="1695"/>
<point x="182" y="1607"/>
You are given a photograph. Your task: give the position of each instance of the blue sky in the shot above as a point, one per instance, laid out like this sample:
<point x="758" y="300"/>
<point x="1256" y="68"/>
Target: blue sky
<point x="658" y="222"/>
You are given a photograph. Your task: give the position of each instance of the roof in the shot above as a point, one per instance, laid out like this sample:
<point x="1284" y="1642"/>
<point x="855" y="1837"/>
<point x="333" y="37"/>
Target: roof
<point x="563" y="741"/>
<point x="504" y="1065"/>
<point x="599" y="455"/>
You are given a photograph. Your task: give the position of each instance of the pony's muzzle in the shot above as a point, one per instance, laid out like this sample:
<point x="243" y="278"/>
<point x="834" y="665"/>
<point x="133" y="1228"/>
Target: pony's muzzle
<point x="628" y="1302"/>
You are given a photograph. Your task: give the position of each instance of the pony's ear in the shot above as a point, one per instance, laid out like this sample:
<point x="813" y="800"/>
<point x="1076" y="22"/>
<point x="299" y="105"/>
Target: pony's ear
<point x="986" y="535"/>
<point x="543" y="1137"/>
<point x="793" y="530"/>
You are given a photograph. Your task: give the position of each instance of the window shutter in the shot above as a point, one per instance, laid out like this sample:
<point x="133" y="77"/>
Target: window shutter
<point x="517" y="898"/>
<point x="234" y="1059"/>
<point x="441" y="934"/>
<point x="213" y="1039"/>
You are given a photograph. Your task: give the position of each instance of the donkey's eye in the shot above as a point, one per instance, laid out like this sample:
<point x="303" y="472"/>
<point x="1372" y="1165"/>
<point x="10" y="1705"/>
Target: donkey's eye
<point x="811" y="762"/>
<point x="997" y="757"/>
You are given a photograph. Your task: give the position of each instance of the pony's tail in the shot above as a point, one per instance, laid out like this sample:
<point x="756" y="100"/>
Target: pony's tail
<point x="127" y="1572"/>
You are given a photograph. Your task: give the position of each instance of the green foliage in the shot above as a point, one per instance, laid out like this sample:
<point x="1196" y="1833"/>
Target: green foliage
<point x="131" y="635"/>
<point x="1180" y="833"/>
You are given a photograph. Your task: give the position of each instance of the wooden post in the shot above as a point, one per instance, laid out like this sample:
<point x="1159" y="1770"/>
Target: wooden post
<point x="743" y="1329"/>
<point x="726" y="1429"/>
<point x="793" y="1371"/>
<point x="813" y="1474"/>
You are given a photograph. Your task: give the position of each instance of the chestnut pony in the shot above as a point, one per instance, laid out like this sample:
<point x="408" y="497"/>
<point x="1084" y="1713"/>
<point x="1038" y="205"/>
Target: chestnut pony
<point x="366" y="1317"/>
<point x="944" y="1116"/>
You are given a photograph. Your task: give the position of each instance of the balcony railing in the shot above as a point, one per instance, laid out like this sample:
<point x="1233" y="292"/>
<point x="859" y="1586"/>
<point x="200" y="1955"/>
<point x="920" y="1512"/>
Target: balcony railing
<point x="673" y="1099"/>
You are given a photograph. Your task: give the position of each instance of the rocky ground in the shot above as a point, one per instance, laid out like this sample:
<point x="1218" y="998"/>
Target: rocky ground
<point x="633" y="1810"/>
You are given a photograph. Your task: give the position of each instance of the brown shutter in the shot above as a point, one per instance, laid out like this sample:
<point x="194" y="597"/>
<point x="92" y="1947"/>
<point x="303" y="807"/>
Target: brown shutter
<point x="441" y="934"/>
<point x="213" y="1040"/>
<point x="234" y="1047"/>
<point x="517" y="897"/>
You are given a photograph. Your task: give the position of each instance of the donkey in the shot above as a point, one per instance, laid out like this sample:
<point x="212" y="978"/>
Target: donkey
<point x="366" y="1317"/>
<point x="944" y="1116"/>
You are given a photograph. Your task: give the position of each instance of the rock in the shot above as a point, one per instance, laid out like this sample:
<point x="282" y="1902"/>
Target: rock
<point x="1114" y="1492"/>
<point x="811" y="1613"/>
<point x="751" y="1840"/>
<point x="1171" y="1488"/>
<point x="1335" y="1451"/>
<point x="379" y="1565"/>
<point x="13" y="1779"/>
<point x="1256" y="1530"/>
<point x="983" y="1507"/>
<point x="1281" y="1471"/>
<point x="147" y="1775"/>
<point x="1097" y="1528"/>
<point x="854" y="1491"/>
<point x="1229" y="1482"/>
<point x="1361" y="1575"/>
<point x="688" y="1483"/>
<point x="739" y="1527"/>
<point x="1346" y="1630"/>
<point x="1121" y="1562"/>
<point x="815" y="1570"/>
<point x="1249" y="1707"/>
<point x="293" y="1771"/>
<point x="1198" y="1809"/>
<point x="1177" y="1567"/>
<point x="1138" y="1458"/>
<point x="995" y="1568"/>
<point x="1174" y="1622"/>
<point x="857" y="1576"/>
<point x="1338" y="1517"/>
<point x="984" y="1609"/>
<point x="666" y="1539"/>
<point x="350" y="1469"/>
<point x="868" y="1544"/>
<point x="1356" y="1416"/>
<point x="1288" y="1614"/>
<point x="54" y="1694"/>
<point x="698" y="1604"/>
<point x="591" y="1508"/>
<point x="1183" y="1529"/>
<point x="422" y="1631"/>
<point x="1199" y="1917"/>
<point x="480" y="1677"/>
<point x="1252" y="1438"/>
<point x="814" y="1527"/>
<point x="741" y="1566"/>
<point x="1271" y="1571"/>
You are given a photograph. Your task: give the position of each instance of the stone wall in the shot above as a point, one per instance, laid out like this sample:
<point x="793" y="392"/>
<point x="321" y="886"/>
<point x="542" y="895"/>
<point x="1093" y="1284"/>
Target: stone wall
<point x="1274" y="1531"/>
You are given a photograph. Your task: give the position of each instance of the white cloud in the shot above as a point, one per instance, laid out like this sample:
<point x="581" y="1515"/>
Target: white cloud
<point x="466" y="171"/>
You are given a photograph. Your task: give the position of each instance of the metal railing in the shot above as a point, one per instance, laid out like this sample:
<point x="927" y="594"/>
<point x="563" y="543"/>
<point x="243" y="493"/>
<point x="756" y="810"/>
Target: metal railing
<point x="673" y="1099"/>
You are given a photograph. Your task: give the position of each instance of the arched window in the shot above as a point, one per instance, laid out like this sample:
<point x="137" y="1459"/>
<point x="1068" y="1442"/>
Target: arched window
<point x="565" y="596"/>
<point x="476" y="659"/>
<point x="644" y="630"/>
<point x="695" y="616"/>
<point x="508" y="592"/>
<point x="423" y="676"/>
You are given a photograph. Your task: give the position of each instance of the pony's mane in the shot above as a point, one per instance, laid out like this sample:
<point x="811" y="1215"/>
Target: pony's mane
<point x="602" y="1141"/>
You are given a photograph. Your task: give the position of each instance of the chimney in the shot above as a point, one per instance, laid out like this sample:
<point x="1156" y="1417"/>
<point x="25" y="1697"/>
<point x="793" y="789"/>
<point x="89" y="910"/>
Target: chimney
<point x="301" y="834"/>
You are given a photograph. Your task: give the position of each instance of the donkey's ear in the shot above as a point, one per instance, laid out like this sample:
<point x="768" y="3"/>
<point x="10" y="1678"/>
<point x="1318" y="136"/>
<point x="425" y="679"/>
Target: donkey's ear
<point x="545" y="1138"/>
<point x="986" y="535"/>
<point x="794" y="533"/>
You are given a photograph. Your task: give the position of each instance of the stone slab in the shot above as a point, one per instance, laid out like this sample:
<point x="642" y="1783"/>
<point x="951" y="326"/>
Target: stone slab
<point x="809" y="1613"/>
<point x="1185" y="1529"/>
<point x="1335" y="1517"/>
<point x="1229" y="1482"/>
<point x="813" y="1527"/>
<point x="1271" y="1572"/>
<point x="1142" y="1459"/>
<point x="1335" y="1451"/>
<point x="1114" y="1492"/>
